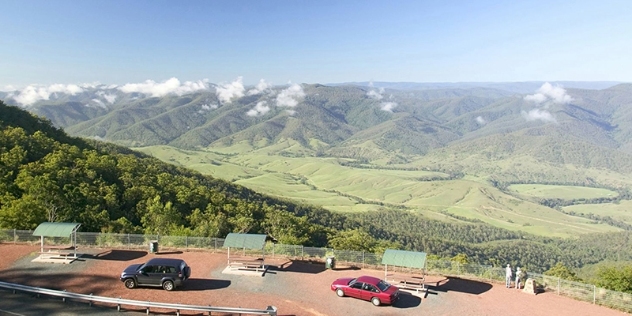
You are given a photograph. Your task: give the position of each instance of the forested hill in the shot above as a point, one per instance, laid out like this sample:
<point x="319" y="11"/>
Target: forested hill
<point x="46" y="175"/>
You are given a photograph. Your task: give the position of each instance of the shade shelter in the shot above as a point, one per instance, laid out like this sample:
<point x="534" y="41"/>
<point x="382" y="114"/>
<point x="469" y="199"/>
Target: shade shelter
<point x="246" y="241"/>
<point x="405" y="259"/>
<point x="50" y="229"/>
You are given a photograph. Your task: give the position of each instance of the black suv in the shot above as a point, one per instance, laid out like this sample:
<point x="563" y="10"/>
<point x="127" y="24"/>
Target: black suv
<point x="158" y="272"/>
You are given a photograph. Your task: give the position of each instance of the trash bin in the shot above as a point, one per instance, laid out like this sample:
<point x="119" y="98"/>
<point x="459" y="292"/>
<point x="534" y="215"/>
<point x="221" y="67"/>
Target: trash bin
<point x="330" y="263"/>
<point x="153" y="246"/>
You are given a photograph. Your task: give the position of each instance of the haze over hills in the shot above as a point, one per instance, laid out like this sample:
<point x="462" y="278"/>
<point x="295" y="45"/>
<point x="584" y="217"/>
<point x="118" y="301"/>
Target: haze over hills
<point x="518" y="87"/>
<point x="463" y="145"/>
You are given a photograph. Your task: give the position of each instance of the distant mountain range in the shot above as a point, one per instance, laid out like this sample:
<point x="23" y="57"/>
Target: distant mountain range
<point x="518" y="87"/>
<point x="557" y="123"/>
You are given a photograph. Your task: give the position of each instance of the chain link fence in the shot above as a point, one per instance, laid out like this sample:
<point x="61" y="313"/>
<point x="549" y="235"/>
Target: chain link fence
<point x="360" y="259"/>
<point x="584" y="292"/>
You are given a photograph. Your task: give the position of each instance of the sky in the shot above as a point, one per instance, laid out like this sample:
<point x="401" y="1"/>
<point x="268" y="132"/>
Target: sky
<point x="123" y="42"/>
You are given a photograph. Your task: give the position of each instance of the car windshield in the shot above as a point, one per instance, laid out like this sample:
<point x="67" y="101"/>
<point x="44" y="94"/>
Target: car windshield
<point x="383" y="286"/>
<point x="352" y="281"/>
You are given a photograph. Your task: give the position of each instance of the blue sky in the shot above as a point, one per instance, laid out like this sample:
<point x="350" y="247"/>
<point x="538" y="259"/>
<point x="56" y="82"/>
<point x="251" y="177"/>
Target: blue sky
<point x="118" y="42"/>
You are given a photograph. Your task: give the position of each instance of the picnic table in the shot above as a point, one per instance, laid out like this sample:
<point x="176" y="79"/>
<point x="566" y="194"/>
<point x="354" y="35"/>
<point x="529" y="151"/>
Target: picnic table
<point x="58" y="251"/>
<point x="246" y="263"/>
<point x="407" y="281"/>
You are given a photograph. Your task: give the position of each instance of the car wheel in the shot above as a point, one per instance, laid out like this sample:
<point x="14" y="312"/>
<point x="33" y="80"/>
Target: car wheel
<point x="130" y="283"/>
<point x="168" y="285"/>
<point x="340" y="292"/>
<point x="375" y="301"/>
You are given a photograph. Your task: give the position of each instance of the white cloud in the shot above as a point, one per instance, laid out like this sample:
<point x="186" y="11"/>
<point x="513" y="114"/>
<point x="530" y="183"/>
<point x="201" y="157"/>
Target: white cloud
<point x="546" y="92"/>
<point x="379" y="95"/>
<point x="374" y="95"/>
<point x="290" y="112"/>
<point x="480" y="120"/>
<point x="291" y="96"/>
<point x="98" y="102"/>
<point x="89" y="85"/>
<point x="108" y="97"/>
<point x="9" y="88"/>
<point x="539" y="114"/>
<point x="71" y="89"/>
<point x="259" y="88"/>
<point x="172" y="85"/>
<point x="388" y="106"/>
<point x="260" y="109"/>
<point x="33" y="93"/>
<point x="209" y="107"/>
<point x="226" y="92"/>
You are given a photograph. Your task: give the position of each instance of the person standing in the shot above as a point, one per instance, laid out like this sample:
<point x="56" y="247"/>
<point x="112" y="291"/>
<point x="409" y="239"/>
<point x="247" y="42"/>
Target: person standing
<point x="518" y="277"/>
<point x="508" y="275"/>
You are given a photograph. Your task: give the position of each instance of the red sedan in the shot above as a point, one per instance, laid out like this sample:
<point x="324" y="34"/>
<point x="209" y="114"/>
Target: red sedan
<point x="367" y="288"/>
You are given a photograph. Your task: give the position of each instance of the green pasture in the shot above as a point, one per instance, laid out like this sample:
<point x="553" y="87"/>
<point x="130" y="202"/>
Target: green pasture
<point x="209" y="163"/>
<point x="325" y="182"/>
<point x="561" y="191"/>
<point x="288" y="186"/>
<point x="621" y="211"/>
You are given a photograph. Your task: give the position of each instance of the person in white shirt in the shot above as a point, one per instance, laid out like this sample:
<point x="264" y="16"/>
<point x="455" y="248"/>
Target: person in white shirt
<point x="518" y="276"/>
<point x="508" y="275"/>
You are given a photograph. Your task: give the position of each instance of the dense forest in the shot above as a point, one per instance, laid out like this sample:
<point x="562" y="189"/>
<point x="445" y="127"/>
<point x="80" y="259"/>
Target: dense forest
<point x="45" y="175"/>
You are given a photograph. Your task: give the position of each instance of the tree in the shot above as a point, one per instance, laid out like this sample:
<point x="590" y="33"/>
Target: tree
<point x="615" y="278"/>
<point x="460" y="258"/>
<point x="160" y="218"/>
<point x="561" y="271"/>
<point x="357" y="239"/>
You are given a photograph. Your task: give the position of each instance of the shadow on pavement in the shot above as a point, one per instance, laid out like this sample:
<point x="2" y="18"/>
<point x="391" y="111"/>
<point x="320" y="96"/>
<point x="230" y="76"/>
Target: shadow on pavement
<point x="299" y="266"/>
<point x="407" y="300"/>
<point x="204" y="284"/>
<point x="168" y="252"/>
<point x="459" y="285"/>
<point x="117" y="255"/>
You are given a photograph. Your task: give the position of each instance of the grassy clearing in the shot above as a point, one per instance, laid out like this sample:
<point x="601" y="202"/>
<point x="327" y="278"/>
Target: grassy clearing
<point x="327" y="183"/>
<point x="621" y="211"/>
<point x="561" y="191"/>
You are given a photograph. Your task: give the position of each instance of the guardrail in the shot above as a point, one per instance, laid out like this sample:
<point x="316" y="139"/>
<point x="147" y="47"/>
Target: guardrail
<point x="271" y="310"/>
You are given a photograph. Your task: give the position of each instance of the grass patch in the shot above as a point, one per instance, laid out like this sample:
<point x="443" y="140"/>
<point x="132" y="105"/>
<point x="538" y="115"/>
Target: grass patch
<point x="564" y="192"/>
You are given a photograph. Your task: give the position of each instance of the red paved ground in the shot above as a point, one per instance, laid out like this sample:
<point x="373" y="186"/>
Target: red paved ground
<point x="295" y="288"/>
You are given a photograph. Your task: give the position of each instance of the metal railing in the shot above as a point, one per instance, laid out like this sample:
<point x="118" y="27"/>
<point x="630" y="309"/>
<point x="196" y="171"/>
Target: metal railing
<point x="584" y="292"/>
<point x="576" y="290"/>
<point x="271" y="310"/>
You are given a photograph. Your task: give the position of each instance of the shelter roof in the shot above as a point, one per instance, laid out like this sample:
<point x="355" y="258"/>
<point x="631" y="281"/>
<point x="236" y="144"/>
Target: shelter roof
<point x="247" y="241"/>
<point x="49" y="229"/>
<point x="403" y="258"/>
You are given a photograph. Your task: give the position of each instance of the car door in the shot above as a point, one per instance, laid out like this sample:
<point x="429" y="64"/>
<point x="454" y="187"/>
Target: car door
<point x="145" y="275"/>
<point x="369" y="291"/>
<point x="355" y="290"/>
